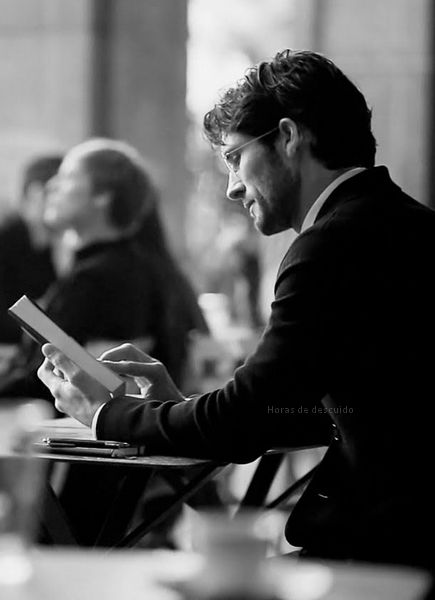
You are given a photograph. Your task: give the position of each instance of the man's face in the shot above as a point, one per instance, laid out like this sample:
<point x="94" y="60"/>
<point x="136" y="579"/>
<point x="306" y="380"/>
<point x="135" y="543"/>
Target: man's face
<point x="33" y="203"/>
<point x="266" y="182"/>
<point x="70" y="203"/>
<point x="32" y="209"/>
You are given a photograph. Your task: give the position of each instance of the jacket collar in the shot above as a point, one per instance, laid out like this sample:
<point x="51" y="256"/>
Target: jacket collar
<point x="369" y="181"/>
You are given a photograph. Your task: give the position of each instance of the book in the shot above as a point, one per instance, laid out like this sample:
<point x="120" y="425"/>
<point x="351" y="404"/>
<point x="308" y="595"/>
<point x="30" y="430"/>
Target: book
<point x="35" y="322"/>
<point x="88" y="447"/>
<point x="70" y="437"/>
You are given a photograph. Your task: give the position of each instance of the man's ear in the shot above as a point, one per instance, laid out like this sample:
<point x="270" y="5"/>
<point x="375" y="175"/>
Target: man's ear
<point x="291" y="136"/>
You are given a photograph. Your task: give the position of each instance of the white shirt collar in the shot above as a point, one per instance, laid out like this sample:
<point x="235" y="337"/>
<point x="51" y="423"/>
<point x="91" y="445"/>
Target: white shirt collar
<point x="311" y="215"/>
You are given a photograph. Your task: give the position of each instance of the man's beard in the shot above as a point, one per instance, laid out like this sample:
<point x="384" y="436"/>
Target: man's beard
<point x="279" y="213"/>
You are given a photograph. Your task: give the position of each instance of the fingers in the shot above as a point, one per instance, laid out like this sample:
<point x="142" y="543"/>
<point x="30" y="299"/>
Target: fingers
<point x="76" y="393"/>
<point x="62" y="368"/>
<point x="59" y="361"/>
<point x="47" y="374"/>
<point x="150" y="370"/>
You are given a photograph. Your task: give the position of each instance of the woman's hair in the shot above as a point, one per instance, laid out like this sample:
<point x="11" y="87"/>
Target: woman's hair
<point x="312" y="91"/>
<point x="117" y="168"/>
<point x="39" y="170"/>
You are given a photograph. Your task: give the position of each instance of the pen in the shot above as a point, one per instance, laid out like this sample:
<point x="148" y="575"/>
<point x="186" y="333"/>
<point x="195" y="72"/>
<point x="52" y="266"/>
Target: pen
<point x="60" y="444"/>
<point x="83" y="443"/>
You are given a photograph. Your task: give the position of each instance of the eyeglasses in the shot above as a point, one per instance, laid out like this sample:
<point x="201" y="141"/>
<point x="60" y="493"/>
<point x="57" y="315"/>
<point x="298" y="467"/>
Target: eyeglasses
<point x="232" y="157"/>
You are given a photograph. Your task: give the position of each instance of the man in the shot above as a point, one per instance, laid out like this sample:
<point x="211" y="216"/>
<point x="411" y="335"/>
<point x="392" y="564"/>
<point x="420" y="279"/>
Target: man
<point x="26" y="264"/>
<point x="346" y="357"/>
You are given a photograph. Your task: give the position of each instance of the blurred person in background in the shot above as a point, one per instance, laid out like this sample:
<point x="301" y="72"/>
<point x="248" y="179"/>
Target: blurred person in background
<point x="346" y="359"/>
<point x="103" y="194"/>
<point x="26" y="260"/>
<point x="239" y="269"/>
<point x="184" y="318"/>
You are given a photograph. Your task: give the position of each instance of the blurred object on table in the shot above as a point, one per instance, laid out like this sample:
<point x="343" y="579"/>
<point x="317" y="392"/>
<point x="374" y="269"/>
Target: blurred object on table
<point x="21" y="479"/>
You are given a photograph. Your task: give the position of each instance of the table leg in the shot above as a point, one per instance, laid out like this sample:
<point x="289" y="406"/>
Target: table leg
<point x="54" y="520"/>
<point x="123" y="507"/>
<point x="157" y="517"/>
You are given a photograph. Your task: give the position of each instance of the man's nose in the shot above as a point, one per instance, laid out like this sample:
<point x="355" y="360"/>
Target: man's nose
<point x="236" y="188"/>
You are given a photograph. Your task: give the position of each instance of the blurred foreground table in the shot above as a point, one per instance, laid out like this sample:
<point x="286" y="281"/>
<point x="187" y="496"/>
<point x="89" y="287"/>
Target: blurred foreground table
<point x="136" y="575"/>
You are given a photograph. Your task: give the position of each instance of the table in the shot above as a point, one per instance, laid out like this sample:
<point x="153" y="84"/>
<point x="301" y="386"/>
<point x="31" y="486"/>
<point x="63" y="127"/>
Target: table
<point x="186" y="476"/>
<point x="139" y="574"/>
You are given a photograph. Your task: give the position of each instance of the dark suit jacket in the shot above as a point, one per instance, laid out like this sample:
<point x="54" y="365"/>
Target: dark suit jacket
<point x="347" y="360"/>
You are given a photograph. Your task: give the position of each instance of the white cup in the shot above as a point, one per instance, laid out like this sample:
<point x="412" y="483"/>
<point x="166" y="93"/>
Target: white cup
<point x="233" y="551"/>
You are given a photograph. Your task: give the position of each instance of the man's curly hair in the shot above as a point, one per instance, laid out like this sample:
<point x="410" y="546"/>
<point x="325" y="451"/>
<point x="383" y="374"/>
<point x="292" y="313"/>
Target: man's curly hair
<point x="311" y="90"/>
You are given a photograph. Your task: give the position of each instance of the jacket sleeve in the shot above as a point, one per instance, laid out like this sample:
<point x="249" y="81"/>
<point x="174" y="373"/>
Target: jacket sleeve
<point x="273" y="399"/>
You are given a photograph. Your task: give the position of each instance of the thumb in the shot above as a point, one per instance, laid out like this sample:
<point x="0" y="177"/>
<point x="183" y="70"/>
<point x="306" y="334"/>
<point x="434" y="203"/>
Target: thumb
<point x="49" y="350"/>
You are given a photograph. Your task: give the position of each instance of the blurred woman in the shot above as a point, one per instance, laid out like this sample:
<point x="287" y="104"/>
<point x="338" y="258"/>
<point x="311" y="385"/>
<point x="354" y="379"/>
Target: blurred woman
<point x="122" y="285"/>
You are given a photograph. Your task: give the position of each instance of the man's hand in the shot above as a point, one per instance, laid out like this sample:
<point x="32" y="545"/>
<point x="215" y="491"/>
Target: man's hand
<point x="149" y="374"/>
<point x="75" y="392"/>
